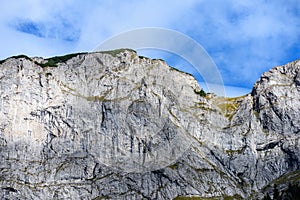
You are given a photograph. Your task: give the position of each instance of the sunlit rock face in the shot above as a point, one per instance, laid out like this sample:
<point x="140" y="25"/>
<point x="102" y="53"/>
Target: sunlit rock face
<point x="118" y="126"/>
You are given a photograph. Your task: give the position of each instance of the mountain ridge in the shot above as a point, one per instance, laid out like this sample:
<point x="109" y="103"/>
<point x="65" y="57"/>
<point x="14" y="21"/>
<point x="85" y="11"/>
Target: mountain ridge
<point x="119" y="126"/>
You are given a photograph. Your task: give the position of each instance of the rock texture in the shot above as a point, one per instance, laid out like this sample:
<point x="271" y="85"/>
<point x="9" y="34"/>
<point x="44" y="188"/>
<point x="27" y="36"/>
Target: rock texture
<point x="118" y="126"/>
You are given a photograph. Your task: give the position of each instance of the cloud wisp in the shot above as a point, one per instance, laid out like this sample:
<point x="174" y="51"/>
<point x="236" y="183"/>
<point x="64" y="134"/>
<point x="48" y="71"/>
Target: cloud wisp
<point x="60" y="30"/>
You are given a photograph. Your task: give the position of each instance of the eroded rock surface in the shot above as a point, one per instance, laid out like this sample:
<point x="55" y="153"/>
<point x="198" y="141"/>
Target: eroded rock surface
<point x="101" y="125"/>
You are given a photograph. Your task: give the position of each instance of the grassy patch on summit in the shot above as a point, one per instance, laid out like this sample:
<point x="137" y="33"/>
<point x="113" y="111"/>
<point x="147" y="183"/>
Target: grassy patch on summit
<point x="52" y="62"/>
<point x="116" y="51"/>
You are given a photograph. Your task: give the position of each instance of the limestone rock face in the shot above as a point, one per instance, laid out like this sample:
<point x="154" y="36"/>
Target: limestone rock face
<point x="119" y="126"/>
<point x="276" y="99"/>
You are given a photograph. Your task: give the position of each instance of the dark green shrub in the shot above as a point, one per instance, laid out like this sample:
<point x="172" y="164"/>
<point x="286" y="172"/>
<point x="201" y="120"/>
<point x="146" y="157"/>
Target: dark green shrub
<point x="16" y="57"/>
<point x="202" y="93"/>
<point x="21" y="56"/>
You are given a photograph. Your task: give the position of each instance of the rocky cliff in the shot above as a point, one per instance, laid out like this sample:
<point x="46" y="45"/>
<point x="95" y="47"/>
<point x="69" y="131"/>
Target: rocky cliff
<point x="113" y="125"/>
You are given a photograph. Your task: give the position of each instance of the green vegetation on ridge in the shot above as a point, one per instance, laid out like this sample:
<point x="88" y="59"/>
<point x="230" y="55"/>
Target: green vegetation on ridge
<point x="16" y="57"/>
<point x="52" y="62"/>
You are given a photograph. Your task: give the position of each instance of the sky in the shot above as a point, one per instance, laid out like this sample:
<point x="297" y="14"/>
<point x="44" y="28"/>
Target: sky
<point x="244" y="38"/>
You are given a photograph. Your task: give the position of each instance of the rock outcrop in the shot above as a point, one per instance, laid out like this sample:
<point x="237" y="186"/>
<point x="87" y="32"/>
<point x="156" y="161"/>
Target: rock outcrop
<point x="118" y="126"/>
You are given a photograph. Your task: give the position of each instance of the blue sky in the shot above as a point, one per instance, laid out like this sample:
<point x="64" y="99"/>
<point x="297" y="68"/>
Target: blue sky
<point x="244" y="38"/>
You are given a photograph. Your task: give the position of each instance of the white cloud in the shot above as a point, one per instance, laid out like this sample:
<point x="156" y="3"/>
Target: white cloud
<point x="244" y="38"/>
<point x="48" y="17"/>
<point x="106" y="20"/>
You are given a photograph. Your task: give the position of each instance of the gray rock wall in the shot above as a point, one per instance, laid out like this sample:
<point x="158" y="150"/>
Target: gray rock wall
<point x="125" y="127"/>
